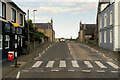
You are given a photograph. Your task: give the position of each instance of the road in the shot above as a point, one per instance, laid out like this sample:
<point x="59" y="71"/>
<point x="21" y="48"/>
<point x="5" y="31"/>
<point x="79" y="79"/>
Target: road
<point x="68" y="60"/>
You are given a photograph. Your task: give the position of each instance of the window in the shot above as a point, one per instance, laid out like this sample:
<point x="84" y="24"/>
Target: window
<point x="7" y="41"/>
<point x="21" y="19"/>
<point x="111" y="14"/>
<point x="100" y="37"/>
<point x="45" y="31"/>
<point x="3" y="10"/>
<point x="110" y="36"/>
<point x="104" y="36"/>
<point x="100" y="23"/>
<point x="13" y="15"/>
<point x="105" y="20"/>
<point x="0" y="41"/>
<point x="0" y="9"/>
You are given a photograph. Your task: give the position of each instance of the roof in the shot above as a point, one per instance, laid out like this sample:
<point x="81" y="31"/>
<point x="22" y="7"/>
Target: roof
<point x="11" y="2"/>
<point x="43" y="25"/>
<point x="89" y="29"/>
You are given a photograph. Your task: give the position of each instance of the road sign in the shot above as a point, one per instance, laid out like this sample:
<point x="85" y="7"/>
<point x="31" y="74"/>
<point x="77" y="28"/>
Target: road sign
<point x="10" y="55"/>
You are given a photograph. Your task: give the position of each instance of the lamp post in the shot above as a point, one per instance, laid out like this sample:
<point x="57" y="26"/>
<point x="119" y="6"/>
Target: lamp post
<point x="34" y="24"/>
<point x="16" y="26"/>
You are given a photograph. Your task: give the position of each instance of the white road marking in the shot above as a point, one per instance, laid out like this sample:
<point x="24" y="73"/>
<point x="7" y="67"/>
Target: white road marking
<point x="62" y="64"/>
<point x="50" y="64"/>
<point x="113" y="65"/>
<point x="18" y="75"/>
<point x="114" y="71"/>
<point x="86" y="71"/>
<point x="75" y="64"/>
<point x="24" y="70"/>
<point x="100" y="71"/>
<point x="100" y="64"/>
<point x="71" y="70"/>
<point x="88" y="64"/>
<point x="37" y="64"/>
<point x="55" y="70"/>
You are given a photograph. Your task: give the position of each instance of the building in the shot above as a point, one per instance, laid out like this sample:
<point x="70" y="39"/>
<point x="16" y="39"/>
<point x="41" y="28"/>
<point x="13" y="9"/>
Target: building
<point x="11" y="38"/>
<point x="47" y="29"/>
<point x="86" y="31"/>
<point x="109" y="24"/>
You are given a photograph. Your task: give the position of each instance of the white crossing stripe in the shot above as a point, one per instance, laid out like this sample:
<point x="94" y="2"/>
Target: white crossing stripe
<point x="100" y="71"/>
<point x="113" y="65"/>
<point x="37" y="64"/>
<point x="75" y="64"/>
<point x="100" y="64"/>
<point x="88" y="64"/>
<point x="62" y="64"/>
<point x="50" y="64"/>
<point x="71" y="70"/>
<point x="86" y="71"/>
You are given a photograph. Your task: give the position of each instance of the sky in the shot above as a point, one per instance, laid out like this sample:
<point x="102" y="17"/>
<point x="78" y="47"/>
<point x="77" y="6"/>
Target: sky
<point x="66" y="14"/>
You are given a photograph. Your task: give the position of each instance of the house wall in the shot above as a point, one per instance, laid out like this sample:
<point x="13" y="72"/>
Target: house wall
<point x="109" y="27"/>
<point x="49" y="33"/>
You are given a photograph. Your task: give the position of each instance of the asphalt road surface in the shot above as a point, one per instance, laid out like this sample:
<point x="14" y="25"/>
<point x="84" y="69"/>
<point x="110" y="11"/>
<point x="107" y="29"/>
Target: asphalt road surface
<point x="68" y="60"/>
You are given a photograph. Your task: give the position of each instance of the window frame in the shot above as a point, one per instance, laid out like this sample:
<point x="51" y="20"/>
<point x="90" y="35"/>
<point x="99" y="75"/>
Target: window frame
<point x="111" y="36"/>
<point x="100" y="37"/>
<point x="105" y="37"/>
<point x="111" y="18"/>
<point x="21" y="22"/>
<point x="12" y="10"/>
<point x="105" y="20"/>
<point x="7" y="40"/>
<point x="1" y="41"/>
<point x="3" y="14"/>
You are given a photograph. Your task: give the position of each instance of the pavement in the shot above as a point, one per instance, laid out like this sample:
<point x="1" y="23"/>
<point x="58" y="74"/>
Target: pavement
<point x="8" y="66"/>
<point x="68" y="60"/>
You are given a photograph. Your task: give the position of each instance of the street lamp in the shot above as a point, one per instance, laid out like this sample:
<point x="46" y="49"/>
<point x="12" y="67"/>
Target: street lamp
<point x="34" y="24"/>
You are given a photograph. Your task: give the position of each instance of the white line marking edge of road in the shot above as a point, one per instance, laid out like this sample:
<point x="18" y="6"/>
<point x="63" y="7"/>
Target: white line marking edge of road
<point x="18" y="75"/>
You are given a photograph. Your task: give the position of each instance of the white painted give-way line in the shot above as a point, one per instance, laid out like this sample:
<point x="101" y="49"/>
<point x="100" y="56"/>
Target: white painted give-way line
<point x="75" y="64"/>
<point x="100" y="64"/>
<point x="62" y="64"/>
<point x="18" y="75"/>
<point x="37" y="64"/>
<point x="50" y="64"/>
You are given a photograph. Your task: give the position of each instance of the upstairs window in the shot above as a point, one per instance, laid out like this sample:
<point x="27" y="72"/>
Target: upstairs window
<point x="105" y="20"/>
<point x="21" y="19"/>
<point x="100" y="23"/>
<point x="111" y="18"/>
<point x="0" y="9"/>
<point x="3" y="10"/>
<point x="0" y="41"/>
<point x="13" y="15"/>
<point x="45" y="31"/>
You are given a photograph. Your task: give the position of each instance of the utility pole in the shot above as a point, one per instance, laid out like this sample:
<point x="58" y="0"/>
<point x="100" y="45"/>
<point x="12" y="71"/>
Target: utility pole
<point x="28" y="31"/>
<point x="34" y="24"/>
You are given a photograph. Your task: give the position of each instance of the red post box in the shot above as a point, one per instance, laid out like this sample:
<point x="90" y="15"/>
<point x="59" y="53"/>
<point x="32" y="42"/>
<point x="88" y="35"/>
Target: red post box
<point x="10" y="55"/>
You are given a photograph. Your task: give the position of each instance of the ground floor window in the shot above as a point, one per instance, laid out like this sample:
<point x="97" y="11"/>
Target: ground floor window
<point x="100" y="37"/>
<point x="7" y="38"/>
<point x="110" y="36"/>
<point x="0" y="41"/>
<point x="104" y="36"/>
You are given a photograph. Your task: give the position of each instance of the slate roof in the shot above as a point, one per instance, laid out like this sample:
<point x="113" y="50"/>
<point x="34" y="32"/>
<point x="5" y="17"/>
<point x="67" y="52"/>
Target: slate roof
<point x="89" y="29"/>
<point x="43" y="25"/>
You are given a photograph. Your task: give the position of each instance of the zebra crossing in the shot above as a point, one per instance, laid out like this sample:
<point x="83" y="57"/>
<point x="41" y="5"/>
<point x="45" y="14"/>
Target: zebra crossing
<point x="75" y="65"/>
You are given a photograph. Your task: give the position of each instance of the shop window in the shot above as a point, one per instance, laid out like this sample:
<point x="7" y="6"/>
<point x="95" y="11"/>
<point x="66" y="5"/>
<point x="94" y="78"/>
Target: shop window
<point x="7" y="27"/>
<point x="45" y="31"/>
<point x="7" y="38"/>
<point x="104" y="36"/>
<point x="13" y="15"/>
<point x="0" y="41"/>
<point x="110" y="36"/>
